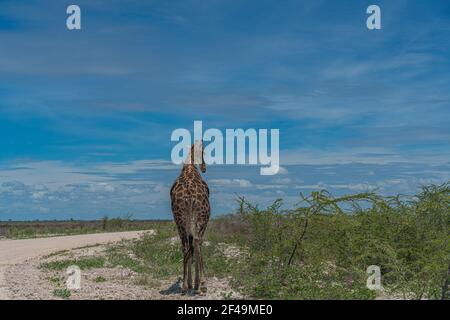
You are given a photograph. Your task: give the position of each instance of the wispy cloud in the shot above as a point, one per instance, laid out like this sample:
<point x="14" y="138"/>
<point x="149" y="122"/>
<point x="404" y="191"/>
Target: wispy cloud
<point x="53" y="189"/>
<point x="365" y="155"/>
<point x="355" y="108"/>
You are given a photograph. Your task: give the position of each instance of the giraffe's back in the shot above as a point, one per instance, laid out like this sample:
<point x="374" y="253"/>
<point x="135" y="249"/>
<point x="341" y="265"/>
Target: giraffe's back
<point x="190" y="205"/>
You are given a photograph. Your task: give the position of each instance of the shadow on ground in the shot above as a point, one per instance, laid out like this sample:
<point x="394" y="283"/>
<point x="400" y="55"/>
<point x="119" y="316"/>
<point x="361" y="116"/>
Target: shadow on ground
<point x="175" y="289"/>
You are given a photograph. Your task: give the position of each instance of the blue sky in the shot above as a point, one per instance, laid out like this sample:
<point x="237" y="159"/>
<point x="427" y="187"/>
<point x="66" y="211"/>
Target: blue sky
<point x="86" y="116"/>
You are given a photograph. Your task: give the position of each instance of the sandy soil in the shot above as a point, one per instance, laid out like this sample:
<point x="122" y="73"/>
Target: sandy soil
<point x="23" y="279"/>
<point x="18" y="252"/>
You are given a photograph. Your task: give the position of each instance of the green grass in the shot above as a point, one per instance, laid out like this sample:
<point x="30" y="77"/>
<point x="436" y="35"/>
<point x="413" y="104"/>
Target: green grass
<point x="163" y="260"/>
<point x="82" y="263"/>
<point x="62" y="293"/>
<point x="147" y="281"/>
<point x="33" y="229"/>
<point x="99" y="279"/>
<point x="56" y="280"/>
<point x="118" y="257"/>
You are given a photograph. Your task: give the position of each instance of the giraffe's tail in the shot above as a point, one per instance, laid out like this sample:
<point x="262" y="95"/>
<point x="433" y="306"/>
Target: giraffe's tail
<point x="191" y="245"/>
<point x="192" y="220"/>
<point x="192" y="227"/>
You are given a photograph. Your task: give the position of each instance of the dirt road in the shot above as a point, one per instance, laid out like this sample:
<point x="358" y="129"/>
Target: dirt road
<point x="17" y="251"/>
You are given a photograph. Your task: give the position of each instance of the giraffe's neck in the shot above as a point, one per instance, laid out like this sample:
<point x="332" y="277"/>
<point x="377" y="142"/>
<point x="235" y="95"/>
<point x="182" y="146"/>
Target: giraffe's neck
<point x="189" y="169"/>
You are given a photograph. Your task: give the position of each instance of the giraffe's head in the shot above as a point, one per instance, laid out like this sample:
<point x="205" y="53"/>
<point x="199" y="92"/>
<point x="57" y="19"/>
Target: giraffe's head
<point x="196" y="155"/>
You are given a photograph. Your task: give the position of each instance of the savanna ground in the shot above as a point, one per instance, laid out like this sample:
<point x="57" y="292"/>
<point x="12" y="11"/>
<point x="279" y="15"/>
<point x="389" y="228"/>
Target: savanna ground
<point x="35" y="229"/>
<point x="318" y="250"/>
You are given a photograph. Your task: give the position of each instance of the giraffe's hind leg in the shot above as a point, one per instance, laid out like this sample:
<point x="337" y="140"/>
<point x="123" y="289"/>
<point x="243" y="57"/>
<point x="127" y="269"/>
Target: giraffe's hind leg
<point x="202" y="270"/>
<point x="187" y="261"/>
<point x="199" y="285"/>
<point x="197" y="267"/>
<point x="202" y="273"/>
<point x="191" y="255"/>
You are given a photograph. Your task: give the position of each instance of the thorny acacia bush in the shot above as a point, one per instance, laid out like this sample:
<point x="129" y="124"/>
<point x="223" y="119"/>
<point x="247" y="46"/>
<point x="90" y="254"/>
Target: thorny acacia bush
<point x="322" y="248"/>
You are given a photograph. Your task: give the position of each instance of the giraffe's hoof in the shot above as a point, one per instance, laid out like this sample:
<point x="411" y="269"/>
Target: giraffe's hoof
<point x="184" y="290"/>
<point x="203" y="289"/>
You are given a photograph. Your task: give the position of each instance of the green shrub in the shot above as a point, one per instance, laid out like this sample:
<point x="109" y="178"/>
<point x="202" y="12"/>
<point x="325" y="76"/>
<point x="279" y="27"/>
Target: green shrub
<point x="321" y="249"/>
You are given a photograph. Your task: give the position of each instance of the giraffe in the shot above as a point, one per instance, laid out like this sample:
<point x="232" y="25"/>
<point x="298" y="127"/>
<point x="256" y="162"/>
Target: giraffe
<point x="191" y="210"/>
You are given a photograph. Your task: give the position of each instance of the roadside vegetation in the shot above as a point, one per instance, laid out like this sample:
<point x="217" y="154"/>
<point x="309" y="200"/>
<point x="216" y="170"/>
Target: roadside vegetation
<point x="34" y="229"/>
<point x="321" y="249"/>
<point x="318" y="250"/>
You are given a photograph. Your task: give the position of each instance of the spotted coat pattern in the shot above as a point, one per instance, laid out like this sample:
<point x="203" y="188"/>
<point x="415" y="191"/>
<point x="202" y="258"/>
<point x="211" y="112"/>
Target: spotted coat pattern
<point x="191" y="211"/>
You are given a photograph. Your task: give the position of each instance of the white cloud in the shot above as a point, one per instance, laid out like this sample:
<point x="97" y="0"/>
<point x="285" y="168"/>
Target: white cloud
<point x="269" y="186"/>
<point x="242" y="183"/>
<point x="53" y="189"/>
<point x="368" y="155"/>
<point x="282" y="180"/>
<point x="358" y="187"/>
<point x="38" y="195"/>
<point x="282" y="170"/>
